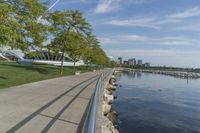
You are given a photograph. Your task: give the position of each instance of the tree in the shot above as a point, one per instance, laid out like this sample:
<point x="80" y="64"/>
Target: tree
<point x="96" y="55"/>
<point x="76" y="47"/>
<point x="73" y="44"/>
<point x="8" y="25"/>
<point x="88" y="53"/>
<point x="101" y="57"/>
<point x="20" y="25"/>
<point x="64" y="22"/>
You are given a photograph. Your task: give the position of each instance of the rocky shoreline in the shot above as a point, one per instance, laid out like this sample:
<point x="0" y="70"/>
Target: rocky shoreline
<point x="108" y="115"/>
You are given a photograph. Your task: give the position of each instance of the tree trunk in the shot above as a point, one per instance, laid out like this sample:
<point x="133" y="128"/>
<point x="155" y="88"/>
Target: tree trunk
<point x="48" y="58"/>
<point x="74" y="67"/>
<point x="87" y="66"/>
<point x="61" y="66"/>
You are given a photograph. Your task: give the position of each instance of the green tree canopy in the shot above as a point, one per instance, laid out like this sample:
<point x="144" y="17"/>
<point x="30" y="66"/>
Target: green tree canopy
<point x="20" y="25"/>
<point x="68" y="23"/>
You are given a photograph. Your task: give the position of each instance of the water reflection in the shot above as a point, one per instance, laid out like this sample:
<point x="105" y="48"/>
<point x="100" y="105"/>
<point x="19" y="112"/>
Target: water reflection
<point x="132" y="74"/>
<point x="138" y="74"/>
<point x="149" y="103"/>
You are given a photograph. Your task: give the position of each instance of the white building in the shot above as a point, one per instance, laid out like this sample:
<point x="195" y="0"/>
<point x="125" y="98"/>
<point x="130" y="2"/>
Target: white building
<point x="45" y="57"/>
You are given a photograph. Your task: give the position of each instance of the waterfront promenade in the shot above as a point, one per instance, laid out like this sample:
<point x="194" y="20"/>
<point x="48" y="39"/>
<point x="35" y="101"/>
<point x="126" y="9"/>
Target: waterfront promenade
<point x="54" y="106"/>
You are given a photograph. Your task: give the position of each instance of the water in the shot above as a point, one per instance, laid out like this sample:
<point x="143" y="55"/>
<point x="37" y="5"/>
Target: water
<point x="150" y="103"/>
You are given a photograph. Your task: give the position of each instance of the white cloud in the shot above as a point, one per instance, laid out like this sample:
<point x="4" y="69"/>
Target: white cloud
<point x="147" y="40"/>
<point x="141" y="1"/>
<point x="170" y="53"/>
<point x="192" y="12"/>
<point x="189" y="27"/>
<point x="154" y="22"/>
<point x="133" y="38"/>
<point x="105" y="6"/>
<point x="166" y="20"/>
<point x="62" y="2"/>
<point x="174" y="21"/>
<point x="138" y="22"/>
<point x="179" y="40"/>
<point x="108" y="40"/>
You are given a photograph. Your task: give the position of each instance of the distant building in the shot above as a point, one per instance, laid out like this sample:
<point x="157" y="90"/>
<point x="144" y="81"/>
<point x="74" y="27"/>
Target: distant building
<point x="120" y="60"/>
<point x="132" y="62"/>
<point x="135" y="62"/>
<point x="126" y="62"/>
<point x="147" y="64"/>
<point x="139" y="62"/>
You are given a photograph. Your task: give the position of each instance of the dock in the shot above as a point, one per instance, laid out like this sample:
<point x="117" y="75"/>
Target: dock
<point x="179" y="74"/>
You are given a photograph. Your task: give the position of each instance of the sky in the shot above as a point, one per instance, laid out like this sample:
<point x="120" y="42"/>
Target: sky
<point x="162" y="32"/>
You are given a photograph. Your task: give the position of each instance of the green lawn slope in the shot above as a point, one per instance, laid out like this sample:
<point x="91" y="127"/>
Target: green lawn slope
<point x="12" y="74"/>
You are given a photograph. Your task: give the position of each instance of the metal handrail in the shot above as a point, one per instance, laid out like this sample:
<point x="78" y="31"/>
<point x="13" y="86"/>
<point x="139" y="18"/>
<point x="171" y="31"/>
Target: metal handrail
<point x="91" y="119"/>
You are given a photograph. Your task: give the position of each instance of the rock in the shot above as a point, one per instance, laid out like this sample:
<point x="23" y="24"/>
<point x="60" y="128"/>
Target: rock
<point x="109" y="117"/>
<point x="108" y="98"/>
<point x="113" y="76"/>
<point x="112" y="81"/>
<point x="105" y="108"/>
<point x="114" y="130"/>
<point x="106" y="129"/>
<point x="111" y="87"/>
<point x="112" y="116"/>
<point x="109" y="92"/>
<point x="107" y="126"/>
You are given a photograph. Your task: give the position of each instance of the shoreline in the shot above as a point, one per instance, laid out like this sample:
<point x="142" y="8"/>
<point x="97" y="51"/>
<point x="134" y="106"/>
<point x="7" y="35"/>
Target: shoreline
<point x="108" y="116"/>
<point x="180" y="74"/>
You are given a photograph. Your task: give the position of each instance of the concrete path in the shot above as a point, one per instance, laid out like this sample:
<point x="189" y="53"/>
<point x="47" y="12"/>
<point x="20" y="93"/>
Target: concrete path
<point x="53" y="106"/>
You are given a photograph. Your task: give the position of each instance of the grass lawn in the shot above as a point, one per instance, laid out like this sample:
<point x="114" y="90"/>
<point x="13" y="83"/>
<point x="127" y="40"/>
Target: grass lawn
<point x="12" y="74"/>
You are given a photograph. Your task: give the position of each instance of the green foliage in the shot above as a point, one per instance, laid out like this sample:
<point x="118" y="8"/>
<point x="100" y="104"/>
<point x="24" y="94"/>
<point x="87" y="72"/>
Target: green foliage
<point x="112" y="64"/>
<point x="70" y="28"/>
<point x="69" y="20"/>
<point x="20" y="25"/>
<point x="25" y="23"/>
<point x="33" y="55"/>
<point x="8" y="25"/>
<point x="76" y="45"/>
<point x="94" y="54"/>
<point x="88" y="52"/>
<point x="99" y="56"/>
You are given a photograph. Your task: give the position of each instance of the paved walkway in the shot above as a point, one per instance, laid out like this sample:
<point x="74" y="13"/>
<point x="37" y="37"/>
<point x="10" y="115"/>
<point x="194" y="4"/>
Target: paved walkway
<point x="54" y="106"/>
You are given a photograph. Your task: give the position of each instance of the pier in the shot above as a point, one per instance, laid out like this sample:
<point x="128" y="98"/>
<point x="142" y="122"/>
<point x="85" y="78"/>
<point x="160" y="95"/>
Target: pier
<point x="180" y="74"/>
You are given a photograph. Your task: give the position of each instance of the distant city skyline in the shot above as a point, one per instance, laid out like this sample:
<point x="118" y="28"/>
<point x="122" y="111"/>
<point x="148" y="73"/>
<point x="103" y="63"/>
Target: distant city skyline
<point x="163" y="32"/>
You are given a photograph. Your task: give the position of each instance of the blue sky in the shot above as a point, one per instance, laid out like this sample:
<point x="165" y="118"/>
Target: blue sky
<point x="163" y="32"/>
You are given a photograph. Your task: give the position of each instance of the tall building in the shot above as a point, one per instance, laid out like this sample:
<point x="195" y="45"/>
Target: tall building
<point x="132" y="61"/>
<point x="147" y="64"/>
<point x="120" y="60"/>
<point x="126" y="62"/>
<point x="139" y="62"/>
<point x="135" y="62"/>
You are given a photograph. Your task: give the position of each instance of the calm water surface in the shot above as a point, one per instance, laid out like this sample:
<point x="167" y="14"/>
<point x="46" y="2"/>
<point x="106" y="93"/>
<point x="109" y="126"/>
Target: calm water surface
<point x="149" y="103"/>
